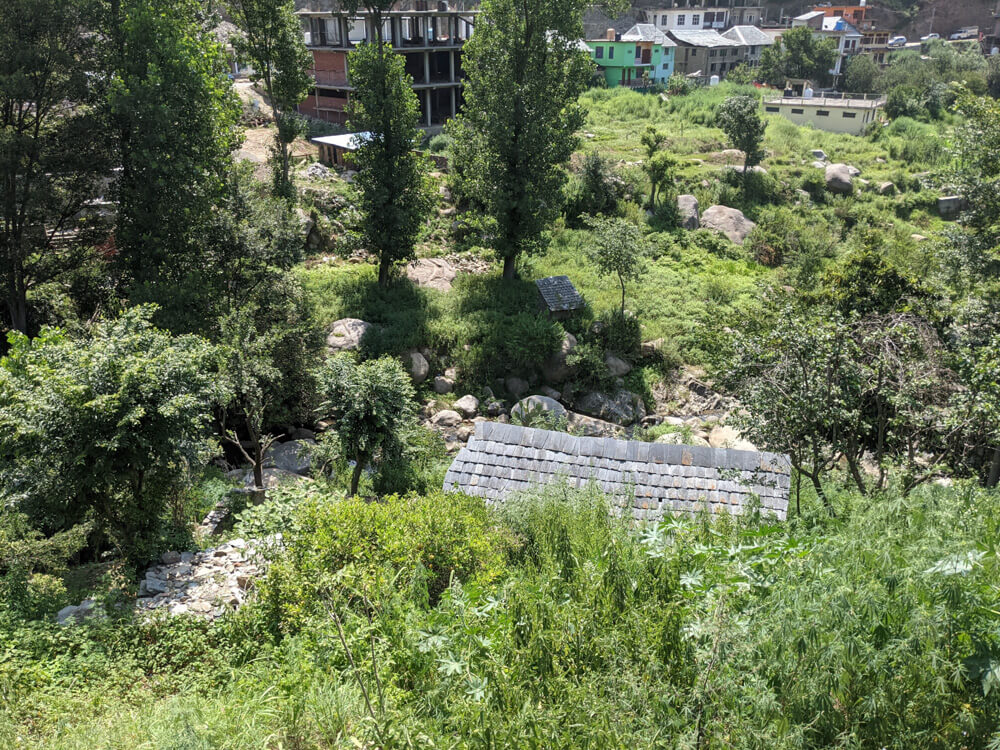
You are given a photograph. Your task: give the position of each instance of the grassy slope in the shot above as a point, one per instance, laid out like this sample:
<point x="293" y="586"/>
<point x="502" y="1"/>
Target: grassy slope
<point x="692" y="290"/>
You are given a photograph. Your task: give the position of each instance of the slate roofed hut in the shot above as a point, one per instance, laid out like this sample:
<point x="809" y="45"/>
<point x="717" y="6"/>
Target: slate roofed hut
<point x="651" y="480"/>
<point x="559" y="297"/>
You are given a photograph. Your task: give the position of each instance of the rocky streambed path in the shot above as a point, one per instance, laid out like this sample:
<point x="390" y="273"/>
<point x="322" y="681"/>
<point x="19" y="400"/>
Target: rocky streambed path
<point x="206" y="584"/>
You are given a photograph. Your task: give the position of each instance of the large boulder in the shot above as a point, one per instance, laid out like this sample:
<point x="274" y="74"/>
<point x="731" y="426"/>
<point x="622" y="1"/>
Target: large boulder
<point x="292" y="456"/>
<point x="840" y="178"/>
<point x="533" y="405"/>
<point x="273" y="476"/>
<point x="516" y="387"/>
<point x="467" y="406"/>
<point x="447" y="418"/>
<point x="555" y="369"/>
<point x="728" y="221"/>
<point x="818" y="153"/>
<point x="443" y="384"/>
<point x="581" y="424"/>
<point x="624" y="407"/>
<point x="724" y="436"/>
<point x="432" y="273"/>
<point x="346" y="334"/>
<point x="886" y="188"/>
<point x="687" y="209"/>
<point x="416" y="364"/>
<point x="617" y="367"/>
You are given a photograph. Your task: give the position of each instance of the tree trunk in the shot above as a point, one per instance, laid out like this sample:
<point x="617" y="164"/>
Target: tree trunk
<point x="359" y="466"/>
<point x="994" y="475"/>
<point x="622" y="282"/>
<point x="822" y="495"/>
<point x="384" y="270"/>
<point x="510" y="267"/>
<point x="18" y="306"/>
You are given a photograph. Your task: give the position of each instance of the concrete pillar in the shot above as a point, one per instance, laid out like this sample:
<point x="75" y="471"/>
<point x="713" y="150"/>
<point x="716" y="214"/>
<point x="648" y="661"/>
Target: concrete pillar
<point x="427" y="104"/>
<point x="451" y="66"/>
<point x="454" y="101"/>
<point x="427" y="67"/>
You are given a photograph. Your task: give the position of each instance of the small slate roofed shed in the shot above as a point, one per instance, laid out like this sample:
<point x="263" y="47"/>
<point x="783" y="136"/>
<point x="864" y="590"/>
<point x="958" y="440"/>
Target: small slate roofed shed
<point x="654" y="478"/>
<point x="559" y="296"/>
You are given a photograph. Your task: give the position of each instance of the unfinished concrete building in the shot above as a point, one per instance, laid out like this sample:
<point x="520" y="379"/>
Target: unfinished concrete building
<point x="430" y="40"/>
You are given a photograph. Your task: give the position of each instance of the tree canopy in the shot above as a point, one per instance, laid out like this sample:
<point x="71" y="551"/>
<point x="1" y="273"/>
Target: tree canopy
<point x="798" y="54"/>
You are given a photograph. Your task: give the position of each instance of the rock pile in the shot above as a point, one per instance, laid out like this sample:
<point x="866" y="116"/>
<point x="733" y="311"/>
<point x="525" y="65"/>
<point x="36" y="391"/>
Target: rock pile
<point x="206" y="584"/>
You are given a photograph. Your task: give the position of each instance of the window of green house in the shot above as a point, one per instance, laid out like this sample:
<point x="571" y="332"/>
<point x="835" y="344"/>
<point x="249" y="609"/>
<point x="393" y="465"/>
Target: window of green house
<point x="599" y="52"/>
<point x="611" y="53"/>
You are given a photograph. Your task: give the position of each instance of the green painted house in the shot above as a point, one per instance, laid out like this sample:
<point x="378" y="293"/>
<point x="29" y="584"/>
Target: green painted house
<point x="641" y="54"/>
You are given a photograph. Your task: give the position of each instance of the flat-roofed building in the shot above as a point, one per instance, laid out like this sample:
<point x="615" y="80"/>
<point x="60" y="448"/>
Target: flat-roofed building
<point x="852" y="114"/>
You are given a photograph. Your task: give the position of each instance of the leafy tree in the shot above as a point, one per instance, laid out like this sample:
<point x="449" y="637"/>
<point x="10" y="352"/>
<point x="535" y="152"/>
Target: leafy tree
<point x="977" y="173"/>
<point x="52" y="142"/>
<point x="370" y="403"/>
<point x="524" y="71"/>
<point x="272" y="41"/>
<point x="905" y="101"/>
<point x="993" y="77"/>
<point x="174" y="115"/>
<point x="596" y="191"/>
<point x="395" y="196"/>
<point x="742" y="74"/>
<point x="659" y="165"/>
<point x="797" y="54"/>
<point x="619" y="250"/>
<point x="741" y="121"/>
<point x="861" y="76"/>
<point x="103" y="428"/>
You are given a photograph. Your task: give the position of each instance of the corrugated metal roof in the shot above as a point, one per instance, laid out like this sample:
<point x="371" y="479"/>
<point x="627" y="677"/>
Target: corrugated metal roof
<point x="349" y="141"/>
<point x="650" y="480"/>
<point x="809" y="16"/>
<point x="703" y="38"/>
<point x="750" y="36"/>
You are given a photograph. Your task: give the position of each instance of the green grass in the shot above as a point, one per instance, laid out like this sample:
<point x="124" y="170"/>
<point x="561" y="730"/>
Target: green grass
<point x="558" y="627"/>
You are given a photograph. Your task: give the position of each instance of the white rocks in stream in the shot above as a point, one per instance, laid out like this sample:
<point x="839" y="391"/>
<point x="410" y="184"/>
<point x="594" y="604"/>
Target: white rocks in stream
<point x="206" y="584"/>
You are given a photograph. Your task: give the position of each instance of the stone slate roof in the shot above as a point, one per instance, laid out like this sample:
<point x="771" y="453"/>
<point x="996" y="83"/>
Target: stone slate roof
<point x="750" y="36"/>
<point x="647" y="32"/>
<point x="650" y="479"/>
<point x="703" y="38"/>
<point x="559" y="294"/>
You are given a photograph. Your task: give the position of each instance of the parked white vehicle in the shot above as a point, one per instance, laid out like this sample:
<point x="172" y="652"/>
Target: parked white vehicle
<point x="929" y="37"/>
<point x="897" y="41"/>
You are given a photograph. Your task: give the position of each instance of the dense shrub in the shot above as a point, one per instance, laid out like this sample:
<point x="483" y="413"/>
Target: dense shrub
<point x="351" y="550"/>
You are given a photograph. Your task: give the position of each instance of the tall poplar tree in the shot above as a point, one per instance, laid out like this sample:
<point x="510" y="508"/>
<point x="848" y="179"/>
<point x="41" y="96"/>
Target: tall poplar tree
<point x="52" y="144"/>
<point x="174" y="116"/>
<point x="524" y="70"/>
<point x="272" y="41"/>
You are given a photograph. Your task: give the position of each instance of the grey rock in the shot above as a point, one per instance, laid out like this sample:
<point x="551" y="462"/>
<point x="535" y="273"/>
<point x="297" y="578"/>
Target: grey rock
<point x="549" y="393"/>
<point x="516" y="387"/>
<point x="65" y="615"/>
<point x="839" y="179"/>
<point x="170" y="557"/>
<point x="432" y="273"/>
<point x="728" y="221"/>
<point x="534" y="404"/>
<point x="624" y="407"/>
<point x="555" y="369"/>
<point x="886" y="188"/>
<point x="292" y="456"/>
<point x="416" y="365"/>
<point x="617" y="367"/>
<point x="301" y="433"/>
<point x="155" y="585"/>
<point x="273" y="476"/>
<point x="447" y="418"/>
<point x="650" y="348"/>
<point x="581" y="424"/>
<point x="818" y="165"/>
<point x="687" y="208"/>
<point x="818" y="153"/>
<point x="465" y="432"/>
<point x="346" y="334"/>
<point x="495" y="408"/>
<point x="443" y="385"/>
<point x="467" y="406"/>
